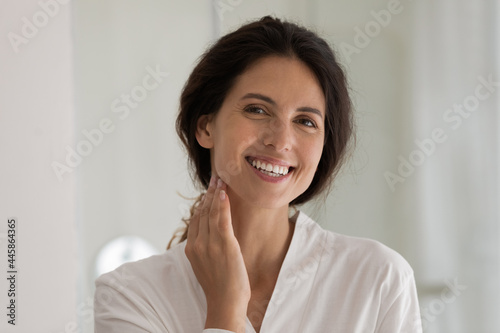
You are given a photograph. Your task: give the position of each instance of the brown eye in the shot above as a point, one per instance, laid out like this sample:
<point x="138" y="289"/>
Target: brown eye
<point x="255" y="109"/>
<point x="307" y="122"/>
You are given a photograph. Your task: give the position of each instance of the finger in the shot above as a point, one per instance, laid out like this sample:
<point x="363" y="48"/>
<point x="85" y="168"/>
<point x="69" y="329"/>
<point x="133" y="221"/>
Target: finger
<point x="225" y="226"/>
<point x="194" y="222"/>
<point x="215" y="213"/>
<point x="204" y="230"/>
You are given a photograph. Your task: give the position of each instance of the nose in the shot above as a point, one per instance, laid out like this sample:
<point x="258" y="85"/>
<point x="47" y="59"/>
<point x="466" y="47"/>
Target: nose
<point x="278" y="135"/>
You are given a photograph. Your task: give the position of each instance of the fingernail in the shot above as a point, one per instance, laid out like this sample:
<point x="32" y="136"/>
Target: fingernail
<point x="219" y="183"/>
<point x="222" y="195"/>
<point x="212" y="181"/>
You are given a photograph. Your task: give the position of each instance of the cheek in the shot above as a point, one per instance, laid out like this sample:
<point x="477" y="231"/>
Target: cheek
<point x="314" y="151"/>
<point x="227" y="169"/>
<point x="313" y="155"/>
<point x="229" y="155"/>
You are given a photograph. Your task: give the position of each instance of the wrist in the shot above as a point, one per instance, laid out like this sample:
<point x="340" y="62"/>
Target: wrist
<point x="228" y="317"/>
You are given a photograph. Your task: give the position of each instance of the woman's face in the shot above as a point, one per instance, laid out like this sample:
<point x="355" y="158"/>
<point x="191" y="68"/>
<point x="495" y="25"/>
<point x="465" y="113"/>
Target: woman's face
<point x="266" y="140"/>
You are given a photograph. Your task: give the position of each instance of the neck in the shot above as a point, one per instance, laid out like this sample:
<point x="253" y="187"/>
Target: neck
<point x="264" y="236"/>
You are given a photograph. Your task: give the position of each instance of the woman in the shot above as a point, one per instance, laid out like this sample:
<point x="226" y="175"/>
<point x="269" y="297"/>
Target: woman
<point x="266" y="119"/>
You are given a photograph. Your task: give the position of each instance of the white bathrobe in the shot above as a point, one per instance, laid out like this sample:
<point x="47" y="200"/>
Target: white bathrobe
<point x="328" y="283"/>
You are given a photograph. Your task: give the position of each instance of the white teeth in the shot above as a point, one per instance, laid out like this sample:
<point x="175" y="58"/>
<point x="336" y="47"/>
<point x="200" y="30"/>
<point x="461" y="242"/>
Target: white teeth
<point x="269" y="169"/>
<point x="270" y="173"/>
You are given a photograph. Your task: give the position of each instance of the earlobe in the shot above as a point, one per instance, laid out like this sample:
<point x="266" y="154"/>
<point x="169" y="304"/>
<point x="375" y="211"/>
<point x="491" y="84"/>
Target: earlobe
<point x="204" y="134"/>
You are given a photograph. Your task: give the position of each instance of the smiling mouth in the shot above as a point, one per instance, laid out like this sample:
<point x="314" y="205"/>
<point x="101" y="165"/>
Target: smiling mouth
<point x="268" y="168"/>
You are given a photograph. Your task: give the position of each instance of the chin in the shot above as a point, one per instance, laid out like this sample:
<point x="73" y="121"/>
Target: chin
<point x="270" y="202"/>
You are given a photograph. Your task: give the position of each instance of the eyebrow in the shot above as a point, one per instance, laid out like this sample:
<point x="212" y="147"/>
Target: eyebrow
<point x="273" y="103"/>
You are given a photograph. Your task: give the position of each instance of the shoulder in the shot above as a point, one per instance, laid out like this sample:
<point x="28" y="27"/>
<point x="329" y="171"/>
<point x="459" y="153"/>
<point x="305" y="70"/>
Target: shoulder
<point x="361" y="277"/>
<point x="357" y="255"/>
<point x="148" y="295"/>
<point x="143" y="275"/>
<point x="369" y="252"/>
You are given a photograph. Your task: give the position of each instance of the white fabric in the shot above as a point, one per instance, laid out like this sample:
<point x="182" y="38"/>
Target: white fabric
<point x="328" y="283"/>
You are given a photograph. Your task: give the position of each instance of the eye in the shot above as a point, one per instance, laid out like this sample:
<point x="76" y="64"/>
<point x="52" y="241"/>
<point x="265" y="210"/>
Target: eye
<point x="255" y="109"/>
<point x="307" y="122"/>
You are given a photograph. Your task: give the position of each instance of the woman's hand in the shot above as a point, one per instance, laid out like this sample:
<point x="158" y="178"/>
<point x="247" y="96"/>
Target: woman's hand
<point x="217" y="262"/>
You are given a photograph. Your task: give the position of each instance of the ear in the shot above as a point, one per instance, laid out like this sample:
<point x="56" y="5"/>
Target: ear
<point x="204" y="134"/>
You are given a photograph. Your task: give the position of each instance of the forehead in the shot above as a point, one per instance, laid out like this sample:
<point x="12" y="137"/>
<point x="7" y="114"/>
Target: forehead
<point x="288" y="81"/>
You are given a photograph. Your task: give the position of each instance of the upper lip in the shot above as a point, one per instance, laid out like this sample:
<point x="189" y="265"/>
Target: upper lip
<point x="271" y="160"/>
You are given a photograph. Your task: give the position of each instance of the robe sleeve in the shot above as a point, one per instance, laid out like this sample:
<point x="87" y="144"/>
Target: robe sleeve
<point x="403" y="315"/>
<point x="114" y="312"/>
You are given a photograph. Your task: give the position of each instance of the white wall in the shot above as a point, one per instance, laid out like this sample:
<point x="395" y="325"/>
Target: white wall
<point x="36" y="124"/>
<point x="129" y="184"/>
<point x="456" y="53"/>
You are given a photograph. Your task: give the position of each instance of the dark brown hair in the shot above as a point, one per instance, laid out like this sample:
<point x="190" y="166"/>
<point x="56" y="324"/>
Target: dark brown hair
<point x="215" y="74"/>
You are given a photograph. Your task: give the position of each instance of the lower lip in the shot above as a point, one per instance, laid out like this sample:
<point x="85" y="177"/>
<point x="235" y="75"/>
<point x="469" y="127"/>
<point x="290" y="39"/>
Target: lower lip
<point x="270" y="179"/>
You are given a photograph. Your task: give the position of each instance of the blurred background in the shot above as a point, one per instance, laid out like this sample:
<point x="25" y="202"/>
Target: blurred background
<point x="94" y="173"/>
